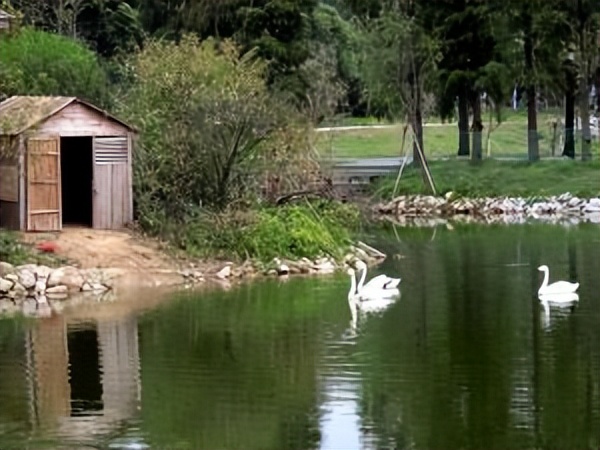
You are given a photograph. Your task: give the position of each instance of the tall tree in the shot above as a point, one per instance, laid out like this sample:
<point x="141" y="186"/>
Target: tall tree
<point x="108" y="26"/>
<point x="400" y="62"/>
<point x="569" y="84"/>
<point x="583" y="17"/>
<point x="538" y="26"/>
<point x="332" y="71"/>
<point x="278" y="29"/>
<point x="112" y="27"/>
<point x="465" y="54"/>
<point x="366" y="9"/>
<point x="529" y="38"/>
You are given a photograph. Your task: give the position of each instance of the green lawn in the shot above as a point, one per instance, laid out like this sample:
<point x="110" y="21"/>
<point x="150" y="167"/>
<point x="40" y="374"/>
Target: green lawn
<point x="441" y="140"/>
<point x="502" y="178"/>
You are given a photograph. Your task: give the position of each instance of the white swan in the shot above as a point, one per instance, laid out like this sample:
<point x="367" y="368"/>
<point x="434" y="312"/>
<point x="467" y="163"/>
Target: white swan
<point x="367" y="304"/>
<point x="558" y="287"/>
<point x="378" y="283"/>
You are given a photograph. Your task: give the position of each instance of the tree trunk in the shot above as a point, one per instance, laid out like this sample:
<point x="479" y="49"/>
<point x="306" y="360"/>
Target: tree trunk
<point x="586" y="132"/>
<point x="533" y="150"/>
<point x="597" y="84"/>
<point x="569" y="149"/>
<point x="584" y="105"/>
<point x="463" y="125"/>
<point x="418" y="143"/>
<point x="477" y="127"/>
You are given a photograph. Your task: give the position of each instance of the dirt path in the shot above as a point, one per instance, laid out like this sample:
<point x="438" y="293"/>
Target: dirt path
<point x="89" y="248"/>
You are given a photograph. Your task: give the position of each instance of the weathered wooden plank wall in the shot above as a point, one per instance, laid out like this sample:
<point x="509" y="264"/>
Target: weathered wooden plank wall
<point x="30" y="185"/>
<point x="78" y="120"/>
<point x="48" y="369"/>
<point x="111" y="182"/>
<point x="9" y="183"/>
<point x="43" y="185"/>
<point x="120" y="362"/>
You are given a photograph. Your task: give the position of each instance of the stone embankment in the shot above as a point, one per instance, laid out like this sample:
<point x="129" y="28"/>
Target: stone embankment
<point x="34" y="287"/>
<point x="28" y="286"/>
<point x="423" y="209"/>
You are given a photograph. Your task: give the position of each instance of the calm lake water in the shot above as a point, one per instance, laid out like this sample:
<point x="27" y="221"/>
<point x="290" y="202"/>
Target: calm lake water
<point x="466" y="359"/>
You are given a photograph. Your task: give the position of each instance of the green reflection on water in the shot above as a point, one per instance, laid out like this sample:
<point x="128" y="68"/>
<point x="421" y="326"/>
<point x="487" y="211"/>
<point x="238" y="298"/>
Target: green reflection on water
<point x="469" y="362"/>
<point x="237" y="370"/>
<point x="466" y="358"/>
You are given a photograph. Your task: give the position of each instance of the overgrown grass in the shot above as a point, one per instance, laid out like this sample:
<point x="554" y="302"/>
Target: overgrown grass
<point x="501" y="178"/>
<point x="15" y="252"/>
<point x="293" y="231"/>
<point x="441" y="140"/>
<point x="11" y="250"/>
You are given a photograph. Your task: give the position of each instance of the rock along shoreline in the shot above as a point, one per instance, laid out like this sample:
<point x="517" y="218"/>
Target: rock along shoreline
<point x="426" y="210"/>
<point x="37" y="290"/>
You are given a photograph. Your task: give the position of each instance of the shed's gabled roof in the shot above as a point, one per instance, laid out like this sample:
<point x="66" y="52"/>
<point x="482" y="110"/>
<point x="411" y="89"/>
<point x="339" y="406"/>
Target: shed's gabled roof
<point x="19" y="113"/>
<point x="5" y="15"/>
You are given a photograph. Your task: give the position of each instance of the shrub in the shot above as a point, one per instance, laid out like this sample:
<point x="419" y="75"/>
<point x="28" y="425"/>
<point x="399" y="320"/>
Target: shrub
<point x="38" y="63"/>
<point x="11" y="250"/>
<point x="210" y="129"/>
<point x="292" y="231"/>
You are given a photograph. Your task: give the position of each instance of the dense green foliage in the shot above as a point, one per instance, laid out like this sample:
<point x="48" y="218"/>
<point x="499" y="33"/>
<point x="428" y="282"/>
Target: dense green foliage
<point x="211" y="135"/>
<point x="11" y="250"/>
<point x="225" y="92"/>
<point x="293" y="231"/>
<point x="39" y="63"/>
<point x="204" y="115"/>
<point x="339" y="56"/>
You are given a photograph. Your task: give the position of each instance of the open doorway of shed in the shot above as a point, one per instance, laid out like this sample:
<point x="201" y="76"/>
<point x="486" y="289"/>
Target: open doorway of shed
<point x="76" y="165"/>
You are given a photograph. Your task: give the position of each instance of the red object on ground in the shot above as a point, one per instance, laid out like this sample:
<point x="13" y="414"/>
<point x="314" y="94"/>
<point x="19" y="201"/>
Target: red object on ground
<point x="46" y="246"/>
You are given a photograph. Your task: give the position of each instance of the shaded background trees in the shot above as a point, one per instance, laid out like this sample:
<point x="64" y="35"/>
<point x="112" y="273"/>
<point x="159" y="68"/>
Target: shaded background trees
<point x="317" y="52"/>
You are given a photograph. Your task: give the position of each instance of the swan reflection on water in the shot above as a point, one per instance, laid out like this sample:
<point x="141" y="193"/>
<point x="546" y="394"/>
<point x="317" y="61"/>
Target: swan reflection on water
<point x="564" y="302"/>
<point x="359" y="312"/>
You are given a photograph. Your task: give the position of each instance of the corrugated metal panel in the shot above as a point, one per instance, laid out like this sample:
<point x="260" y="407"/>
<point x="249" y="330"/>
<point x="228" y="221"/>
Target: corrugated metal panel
<point x="110" y="150"/>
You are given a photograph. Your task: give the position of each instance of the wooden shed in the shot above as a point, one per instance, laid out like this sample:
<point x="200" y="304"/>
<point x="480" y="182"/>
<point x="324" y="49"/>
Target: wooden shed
<point x="5" y="20"/>
<point x="63" y="161"/>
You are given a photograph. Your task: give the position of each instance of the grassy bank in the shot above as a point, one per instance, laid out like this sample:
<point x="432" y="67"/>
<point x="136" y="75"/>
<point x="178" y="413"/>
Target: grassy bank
<point x="501" y="178"/>
<point x="15" y="252"/>
<point x="307" y="229"/>
<point x="441" y="140"/>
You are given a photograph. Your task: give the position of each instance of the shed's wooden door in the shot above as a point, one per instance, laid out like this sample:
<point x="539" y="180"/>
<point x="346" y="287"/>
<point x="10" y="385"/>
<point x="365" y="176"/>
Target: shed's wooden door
<point x="111" y="182"/>
<point x="43" y="184"/>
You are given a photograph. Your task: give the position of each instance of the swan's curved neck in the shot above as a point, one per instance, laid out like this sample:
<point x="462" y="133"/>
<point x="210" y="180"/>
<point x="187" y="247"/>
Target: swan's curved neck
<point x="362" y="278"/>
<point x="546" y="279"/>
<point x="352" y="291"/>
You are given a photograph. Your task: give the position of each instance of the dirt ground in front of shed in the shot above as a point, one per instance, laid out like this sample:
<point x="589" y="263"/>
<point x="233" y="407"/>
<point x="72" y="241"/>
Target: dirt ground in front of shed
<point x="144" y="262"/>
<point x="88" y="248"/>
